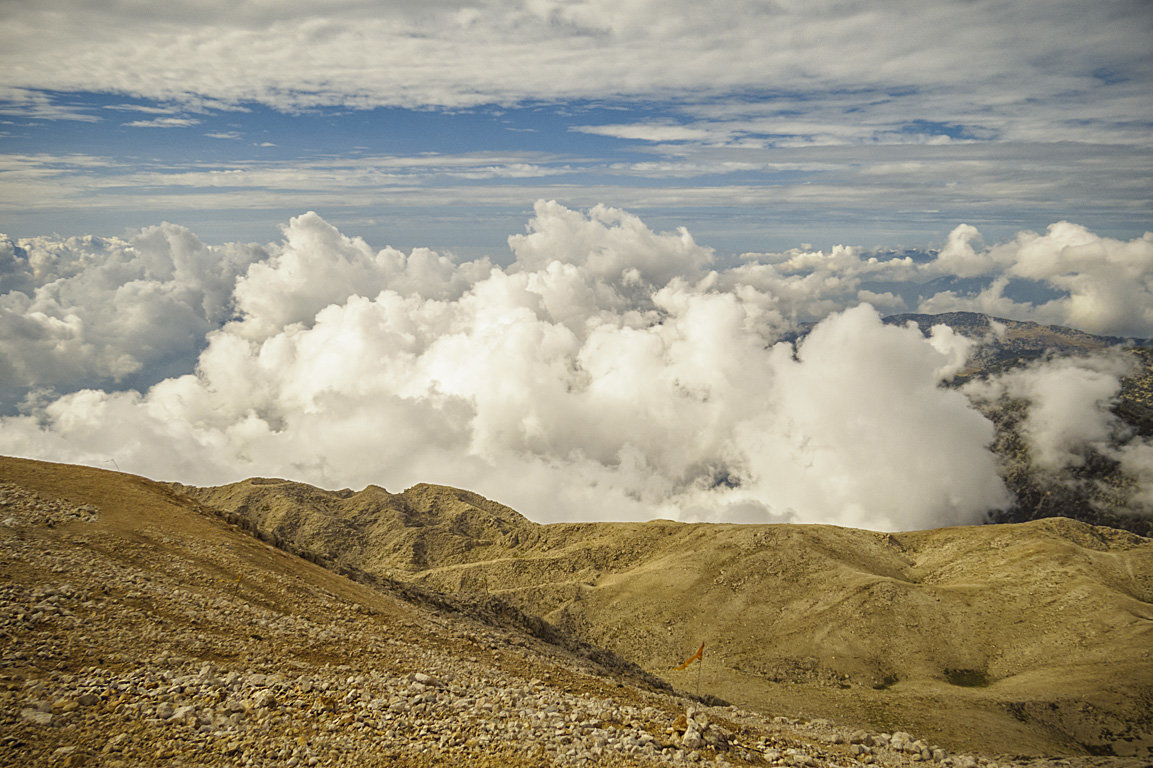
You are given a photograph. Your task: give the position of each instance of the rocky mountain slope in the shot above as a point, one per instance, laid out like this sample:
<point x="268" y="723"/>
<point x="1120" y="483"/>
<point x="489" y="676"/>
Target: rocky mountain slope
<point x="1096" y="491"/>
<point x="1024" y="639"/>
<point x="139" y="628"/>
<point x="1012" y="342"/>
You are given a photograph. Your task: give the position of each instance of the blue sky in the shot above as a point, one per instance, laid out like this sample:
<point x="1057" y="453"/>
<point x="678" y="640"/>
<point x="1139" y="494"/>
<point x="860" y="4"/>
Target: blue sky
<point x="756" y="125"/>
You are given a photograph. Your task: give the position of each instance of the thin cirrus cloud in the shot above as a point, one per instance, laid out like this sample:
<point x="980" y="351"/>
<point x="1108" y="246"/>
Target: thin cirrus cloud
<point x="882" y="122"/>
<point x="657" y="131"/>
<point x="584" y="380"/>
<point x="164" y="122"/>
<point x="479" y="52"/>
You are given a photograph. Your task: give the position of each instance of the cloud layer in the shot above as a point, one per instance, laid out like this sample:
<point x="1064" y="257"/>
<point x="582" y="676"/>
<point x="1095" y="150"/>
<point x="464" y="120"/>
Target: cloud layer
<point x="91" y="311"/>
<point x="880" y="121"/>
<point x="458" y="53"/>
<point x="608" y="372"/>
<point x="1069" y="406"/>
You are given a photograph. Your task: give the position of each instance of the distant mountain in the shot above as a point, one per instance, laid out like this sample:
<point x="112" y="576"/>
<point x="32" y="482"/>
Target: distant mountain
<point x="1006" y="343"/>
<point x="1027" y="639"/>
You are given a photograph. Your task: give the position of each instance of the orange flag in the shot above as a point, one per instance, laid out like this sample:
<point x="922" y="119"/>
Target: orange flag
<point x="698" y="656"/>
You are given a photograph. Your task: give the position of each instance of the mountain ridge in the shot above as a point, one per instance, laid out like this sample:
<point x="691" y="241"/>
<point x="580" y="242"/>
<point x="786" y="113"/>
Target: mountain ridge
<point x="844" y="623"/>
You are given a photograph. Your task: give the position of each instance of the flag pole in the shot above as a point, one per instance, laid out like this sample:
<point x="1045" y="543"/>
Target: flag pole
<point x="699" y="658"/>
<point x="700" y="663"/>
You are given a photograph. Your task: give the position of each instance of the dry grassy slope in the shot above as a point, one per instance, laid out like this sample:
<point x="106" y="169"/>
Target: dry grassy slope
<point x="1031" y="638"/>
<point x="1047" y="613"/>
<point x="374" y="527"/>
<point x="162" y="585"/>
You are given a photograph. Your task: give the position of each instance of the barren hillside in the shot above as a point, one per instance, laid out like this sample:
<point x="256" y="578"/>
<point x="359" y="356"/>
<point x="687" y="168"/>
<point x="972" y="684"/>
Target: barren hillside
<point x="1034" y="638"/>
<point x="140" y="630"/>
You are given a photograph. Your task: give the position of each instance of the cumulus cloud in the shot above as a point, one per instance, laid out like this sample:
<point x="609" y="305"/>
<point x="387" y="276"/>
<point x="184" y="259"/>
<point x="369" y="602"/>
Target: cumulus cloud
<point x="90" y="311"/>
<point x="1103" y="285"/>
<point x="608" y="372"/>
<point x="1068" y="416"/>
<point x="1067" y="276"/>
<point x="1069" y="400"/>
<point x="317" y="266"/>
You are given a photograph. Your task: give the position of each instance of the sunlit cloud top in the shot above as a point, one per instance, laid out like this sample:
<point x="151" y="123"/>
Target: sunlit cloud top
<point x="607" y="371"/>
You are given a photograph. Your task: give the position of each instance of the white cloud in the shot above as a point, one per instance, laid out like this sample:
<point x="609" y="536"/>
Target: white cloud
<point x="1098" y="284"/>
<point x="1069" y="401"/>
<point x="146" y="109"/>
<point x="164" y="122"/>
<point x="83" y="182"/>
<point x="612" y="245"/>
<point x="961" y="111"/>
<point x="1068" y="415"/>
<point x="608" y="373"/>
<point x="1106" y="284"/>
<point x="26" y="103"/>
<point x="997" y="66"/>
<point x="737" y="197"/>
<point x="649" y="131"/>
<point x="90" y="311"/>
<point x="1136" y="458"/>
<point x="317" y="267"/>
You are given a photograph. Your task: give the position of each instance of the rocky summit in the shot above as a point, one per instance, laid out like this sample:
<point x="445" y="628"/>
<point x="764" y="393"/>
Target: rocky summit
<point x="142" y="627"/>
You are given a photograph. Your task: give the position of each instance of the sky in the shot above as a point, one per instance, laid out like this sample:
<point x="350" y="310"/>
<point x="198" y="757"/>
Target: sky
<point x="756" y="124"/>
<point x="553" y="252"/>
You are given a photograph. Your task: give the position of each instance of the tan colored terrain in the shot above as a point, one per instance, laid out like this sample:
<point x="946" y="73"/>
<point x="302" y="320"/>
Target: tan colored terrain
<point x="136" y="630"/>
<point x="1024" y="639"/>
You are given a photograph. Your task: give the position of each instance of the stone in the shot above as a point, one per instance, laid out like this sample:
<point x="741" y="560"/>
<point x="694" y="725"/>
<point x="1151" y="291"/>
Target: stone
<point x="301" y="684"/>
<point x="35" y="716"/>
<point x="423" y="679"/>
<point x="183" y="712"/>
<point x="263" y="699"/>
<point x="116" y="743"/>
